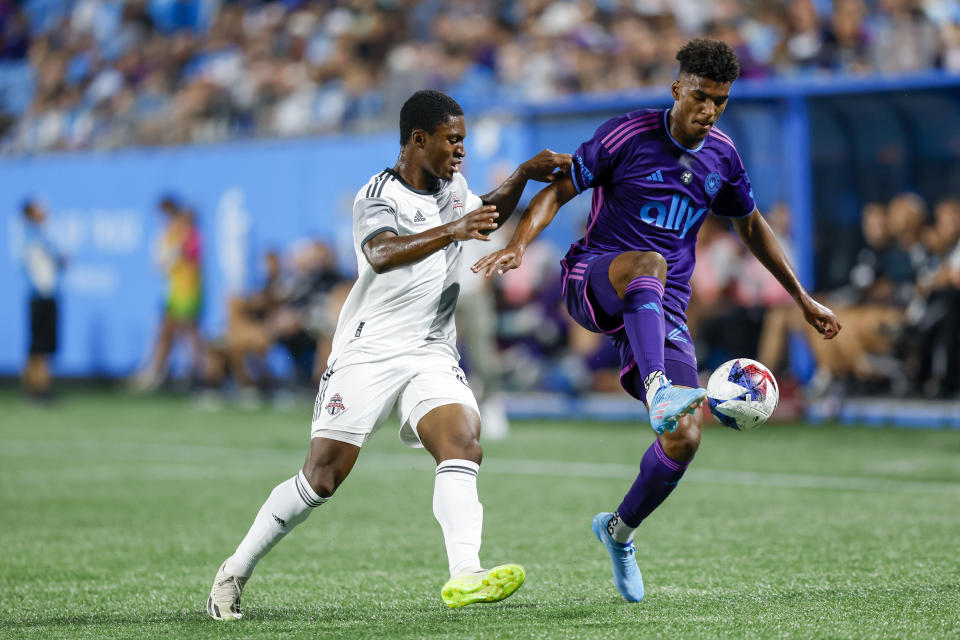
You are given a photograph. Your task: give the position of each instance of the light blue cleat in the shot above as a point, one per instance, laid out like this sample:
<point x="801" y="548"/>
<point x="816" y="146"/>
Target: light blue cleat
<point x="626" y="573"/>
<point x="670" y="402"/>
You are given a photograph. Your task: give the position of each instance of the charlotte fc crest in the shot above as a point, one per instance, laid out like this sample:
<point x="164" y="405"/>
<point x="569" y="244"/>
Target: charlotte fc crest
<point x="335" y="405"/>
<point x="712" y="183"/>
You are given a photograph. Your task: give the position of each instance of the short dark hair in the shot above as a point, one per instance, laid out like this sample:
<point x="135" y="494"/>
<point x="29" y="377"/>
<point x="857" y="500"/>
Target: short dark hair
<point x="425" y="110"/>
<point x="170" y="200"/>
<point x="711" y="59"/>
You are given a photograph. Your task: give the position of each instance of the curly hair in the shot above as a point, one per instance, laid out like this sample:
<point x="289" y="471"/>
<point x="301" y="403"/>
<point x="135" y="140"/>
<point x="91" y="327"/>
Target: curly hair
<point x="425" y="110"/>
<point x="711" y="59"/>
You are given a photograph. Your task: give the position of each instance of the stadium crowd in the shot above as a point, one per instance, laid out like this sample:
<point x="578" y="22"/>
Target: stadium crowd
<point x="81" y="74"/>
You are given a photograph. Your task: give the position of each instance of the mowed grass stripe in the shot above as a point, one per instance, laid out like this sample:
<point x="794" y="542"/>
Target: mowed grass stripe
<point x="165" y="452"/>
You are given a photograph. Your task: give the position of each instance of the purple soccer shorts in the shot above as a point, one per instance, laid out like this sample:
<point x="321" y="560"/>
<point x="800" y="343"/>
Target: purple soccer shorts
<point x="594" y="304"/>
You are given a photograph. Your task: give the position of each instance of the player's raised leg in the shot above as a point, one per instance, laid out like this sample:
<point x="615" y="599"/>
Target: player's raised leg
<point x="638" y="277"/>
<point x="290" y="503"/>
<point x="450" y="433"/>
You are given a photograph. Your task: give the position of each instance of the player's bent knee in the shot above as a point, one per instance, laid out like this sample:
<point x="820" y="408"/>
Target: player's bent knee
<point x="631" y="265"/>
<point x="657" y="264"/>
<point x="322" y="480"/>
<point x="459" y="449"/>
<point x="451" y="432"/>
<point x="472" y="451"/>
<point x="328" y="463"/>
<point x="647" y="263"/>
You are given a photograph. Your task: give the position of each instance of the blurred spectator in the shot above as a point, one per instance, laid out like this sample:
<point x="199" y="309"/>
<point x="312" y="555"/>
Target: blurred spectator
<point x="846" y="45"/>
<point x="110" y="73"/>
<point x="933" y="337"/>
<point x="802" y="46"/>
<point x="43" y="265"/>
<point x="871" y="306"/>
<point x="305" y="322"/>
<point x="249" y="327"/>
<point x="178" y="255"/>
<point x="902" y="37"/>
<point x="295" y="308"/>
<point x="907" y="219"/>
<point x="14" y="31"/>
<point x="884" y="272"/>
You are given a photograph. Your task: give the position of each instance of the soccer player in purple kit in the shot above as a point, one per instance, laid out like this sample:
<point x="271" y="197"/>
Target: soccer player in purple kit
<point x="655" y="174"/>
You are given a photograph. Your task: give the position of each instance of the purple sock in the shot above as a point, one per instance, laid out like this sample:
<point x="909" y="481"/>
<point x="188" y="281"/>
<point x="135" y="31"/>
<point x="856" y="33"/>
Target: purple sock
<point x="643" y="322"/>
<point x="658" y="476"/>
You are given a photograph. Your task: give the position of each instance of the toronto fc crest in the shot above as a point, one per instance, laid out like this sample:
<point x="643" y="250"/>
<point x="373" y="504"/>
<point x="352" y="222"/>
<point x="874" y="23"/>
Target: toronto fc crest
<point x="335" y="405"/>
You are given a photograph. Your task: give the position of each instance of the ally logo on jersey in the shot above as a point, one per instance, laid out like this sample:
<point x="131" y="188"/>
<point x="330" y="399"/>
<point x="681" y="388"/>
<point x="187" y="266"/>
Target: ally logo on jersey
<point x="679" y="216"/>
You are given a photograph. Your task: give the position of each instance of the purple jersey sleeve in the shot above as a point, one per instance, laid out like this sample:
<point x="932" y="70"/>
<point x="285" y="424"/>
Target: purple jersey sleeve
<point x="592" y="161"/>
<point x="735" y="198"/>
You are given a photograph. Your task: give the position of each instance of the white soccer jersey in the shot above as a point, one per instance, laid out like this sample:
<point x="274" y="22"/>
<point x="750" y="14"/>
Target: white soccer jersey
<point x="410" y="307"/>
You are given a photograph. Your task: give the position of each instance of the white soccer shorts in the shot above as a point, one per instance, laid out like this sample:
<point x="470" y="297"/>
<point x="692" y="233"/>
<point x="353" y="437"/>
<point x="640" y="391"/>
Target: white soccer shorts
<point x="355" y="399"/>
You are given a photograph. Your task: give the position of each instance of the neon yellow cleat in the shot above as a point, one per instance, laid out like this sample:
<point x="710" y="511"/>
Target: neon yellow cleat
<point x="492" y="585"/>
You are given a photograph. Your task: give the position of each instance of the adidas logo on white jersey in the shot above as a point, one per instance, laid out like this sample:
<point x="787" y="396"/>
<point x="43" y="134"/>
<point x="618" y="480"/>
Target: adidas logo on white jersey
<point x="419" y="217"/>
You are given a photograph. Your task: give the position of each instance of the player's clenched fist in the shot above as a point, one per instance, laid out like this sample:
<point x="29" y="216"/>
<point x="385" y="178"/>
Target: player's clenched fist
<point x="544" y="166"/>
<point x="471" y="226"/>
<point x="821" y="318"/>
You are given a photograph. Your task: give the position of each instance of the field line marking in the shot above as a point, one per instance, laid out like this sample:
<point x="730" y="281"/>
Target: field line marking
<point x="86" y="449"/>
<point x="627" y="472"/>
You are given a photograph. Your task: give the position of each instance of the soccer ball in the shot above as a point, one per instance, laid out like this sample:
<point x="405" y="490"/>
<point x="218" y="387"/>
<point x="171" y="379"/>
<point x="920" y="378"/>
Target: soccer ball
<point x="742" y="394"/>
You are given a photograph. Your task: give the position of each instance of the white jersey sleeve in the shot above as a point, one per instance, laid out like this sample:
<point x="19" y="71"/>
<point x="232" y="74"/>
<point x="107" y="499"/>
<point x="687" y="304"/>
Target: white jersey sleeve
<point x="371" y="216"/>
<point x="373" y="213"/>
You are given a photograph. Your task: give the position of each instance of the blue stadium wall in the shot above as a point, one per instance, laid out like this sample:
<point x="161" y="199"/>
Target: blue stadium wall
<point x="822" y="147"/>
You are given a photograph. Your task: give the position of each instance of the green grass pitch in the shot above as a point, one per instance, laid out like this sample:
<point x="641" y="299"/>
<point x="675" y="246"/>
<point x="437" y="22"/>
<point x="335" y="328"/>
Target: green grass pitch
<point x="116" y="512"/>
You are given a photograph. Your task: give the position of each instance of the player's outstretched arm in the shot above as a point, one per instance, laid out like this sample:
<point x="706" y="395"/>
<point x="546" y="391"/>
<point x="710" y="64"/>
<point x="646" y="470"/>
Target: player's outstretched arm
<point x="543" y="167"/>
<point x="387" y="250"/>
<point x="535" y="219"/>
<point x="762" y="242"/>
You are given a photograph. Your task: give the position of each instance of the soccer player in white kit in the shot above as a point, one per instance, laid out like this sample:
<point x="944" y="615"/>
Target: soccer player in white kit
<point x="395" y="345"/>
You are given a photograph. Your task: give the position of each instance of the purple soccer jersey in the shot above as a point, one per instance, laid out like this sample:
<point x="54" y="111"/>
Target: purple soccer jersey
<point x="650" y="193"/>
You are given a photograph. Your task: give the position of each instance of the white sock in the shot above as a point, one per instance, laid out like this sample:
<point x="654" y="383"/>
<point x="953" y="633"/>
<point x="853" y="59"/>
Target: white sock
<point x="460" y="514"/>
<point x="619" y="531"/>
<point x="288" y="505"/>
<point x="652" y="383"/>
